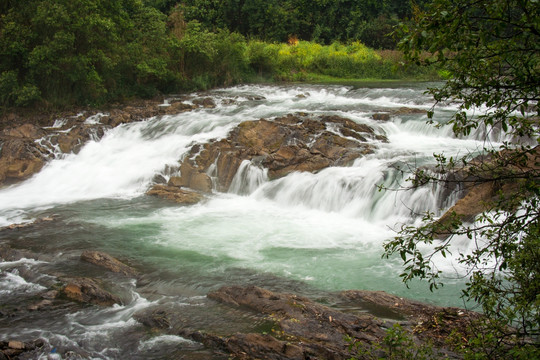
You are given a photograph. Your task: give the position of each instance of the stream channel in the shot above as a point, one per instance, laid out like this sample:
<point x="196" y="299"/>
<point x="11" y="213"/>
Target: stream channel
<point x="311" y="234"/>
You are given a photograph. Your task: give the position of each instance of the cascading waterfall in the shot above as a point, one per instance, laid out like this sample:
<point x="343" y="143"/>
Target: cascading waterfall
<point x="322" y="230"/>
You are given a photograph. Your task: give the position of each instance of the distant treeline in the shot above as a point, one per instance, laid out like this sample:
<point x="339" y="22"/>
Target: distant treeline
<point x="322" y="21"/>
<point x="89" y="52"/>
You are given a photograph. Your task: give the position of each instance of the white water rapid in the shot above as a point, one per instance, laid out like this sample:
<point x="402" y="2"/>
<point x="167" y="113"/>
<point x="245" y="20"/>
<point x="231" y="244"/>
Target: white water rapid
<point x="323" y="231"/>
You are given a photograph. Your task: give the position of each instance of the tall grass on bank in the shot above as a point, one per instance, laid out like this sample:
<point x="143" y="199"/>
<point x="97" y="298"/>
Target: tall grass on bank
<point x="306" y="61"/>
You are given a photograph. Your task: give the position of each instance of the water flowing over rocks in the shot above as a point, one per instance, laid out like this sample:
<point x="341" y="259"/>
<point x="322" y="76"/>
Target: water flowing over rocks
<point x="25" y="147"/>
<point x="484" y="186"/>
<point x="282" y="145"/>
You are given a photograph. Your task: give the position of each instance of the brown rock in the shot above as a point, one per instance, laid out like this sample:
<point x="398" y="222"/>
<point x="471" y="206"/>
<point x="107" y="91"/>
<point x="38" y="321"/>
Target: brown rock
<point x="409" y="111"/>
<point x="178" y="107"/>
<point x="381" y="116"/>
<point x="286" y="144"/>
<point x="175" y="194"/>
<point x="309" y="328"/>
<point x="107" y="261"/>
<point x="205" y="102"/>
<point x="87" y="290"/>
<point x="201" y="182"/>
<point x="18" y="345"/>
<point x="179" y="181"/>
<point x="25" y="131"/>
<point x="20" y="158"/>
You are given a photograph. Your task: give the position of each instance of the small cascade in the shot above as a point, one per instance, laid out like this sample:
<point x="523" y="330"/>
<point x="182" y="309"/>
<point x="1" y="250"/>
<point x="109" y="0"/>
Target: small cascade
<point x="248" y="178"/>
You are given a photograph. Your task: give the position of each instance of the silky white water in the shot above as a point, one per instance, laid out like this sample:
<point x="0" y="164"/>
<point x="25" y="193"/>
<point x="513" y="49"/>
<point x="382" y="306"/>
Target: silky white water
<point x="322" y="231"/>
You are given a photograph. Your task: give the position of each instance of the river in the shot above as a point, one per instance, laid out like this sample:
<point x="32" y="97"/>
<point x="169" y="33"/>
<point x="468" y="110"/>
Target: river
<point x="305" y="233"/>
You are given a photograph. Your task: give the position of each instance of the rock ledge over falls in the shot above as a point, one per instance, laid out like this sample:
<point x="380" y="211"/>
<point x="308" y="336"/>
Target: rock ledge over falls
<point x="279" y="146"/>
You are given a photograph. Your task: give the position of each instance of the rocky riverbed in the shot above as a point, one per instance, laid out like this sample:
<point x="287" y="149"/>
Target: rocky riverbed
<point x="261" y="321"/>
<point x="286" y="326"/>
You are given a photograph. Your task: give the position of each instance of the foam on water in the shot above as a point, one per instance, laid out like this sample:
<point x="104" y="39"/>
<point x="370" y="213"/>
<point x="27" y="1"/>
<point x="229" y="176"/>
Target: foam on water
<point x="325" y="228"/>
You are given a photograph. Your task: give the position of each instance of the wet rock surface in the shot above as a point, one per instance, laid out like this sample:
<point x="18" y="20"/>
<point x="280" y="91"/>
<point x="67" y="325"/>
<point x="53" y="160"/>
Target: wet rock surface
<point x="108" y="262"/>
<point x="282" y="145"/>
<point x="176" y="194"/>
<point x="304" y="329"/>
<point x="90" y="291"/>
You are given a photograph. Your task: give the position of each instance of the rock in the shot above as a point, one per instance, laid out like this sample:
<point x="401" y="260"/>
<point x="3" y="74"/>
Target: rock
<point x="408" y="111"/>
<point x="176" y="194"/>
<point x="30" y="131"/>
<point x="486" y="183"/>
<point x="73" y="140"/>
<point x="157" y="319"/>
<point x="14" y="349"/>
<point x="305" y="329"/>
<point x="386" y="116"/>
<point x="108" y="262"/>
<point x="20" y="158"/>
<point x="205" y="102"/>
<point x="87" y="290"/>
<point x="40" y="305"/>
<point x="18" y="345"/>
<point x="283" y="145"/>
<point x="381" y="116"/>
<point x="178" y="107"/>
<point x="28" y="224"/>
<point x="192" y="178"/>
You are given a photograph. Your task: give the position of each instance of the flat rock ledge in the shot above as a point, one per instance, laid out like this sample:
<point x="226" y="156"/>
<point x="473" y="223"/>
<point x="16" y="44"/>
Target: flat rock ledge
<point x="304" y="329"/>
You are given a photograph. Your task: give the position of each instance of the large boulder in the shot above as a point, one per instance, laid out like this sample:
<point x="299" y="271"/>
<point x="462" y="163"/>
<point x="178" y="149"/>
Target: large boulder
<point x="282" y="145"/>
<point x="486" y="181"/>
<point x="20" y="158"/>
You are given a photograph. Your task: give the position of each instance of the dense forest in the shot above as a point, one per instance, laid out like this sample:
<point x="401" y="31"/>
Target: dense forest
<point x="322" y="21"/>
<point x="89" y="52"/>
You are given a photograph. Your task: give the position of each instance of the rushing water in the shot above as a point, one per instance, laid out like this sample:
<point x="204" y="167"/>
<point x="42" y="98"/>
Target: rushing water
<point x="309" y="233"/>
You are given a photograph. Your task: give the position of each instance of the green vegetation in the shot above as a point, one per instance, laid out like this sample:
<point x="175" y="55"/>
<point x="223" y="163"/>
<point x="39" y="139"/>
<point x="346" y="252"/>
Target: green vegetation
<point x="322" y="21"/>
<point x="311" y="61"/>
<point x="492" y="49"/>
<point x="89" y="52"/>
<point x="397" y="344"/>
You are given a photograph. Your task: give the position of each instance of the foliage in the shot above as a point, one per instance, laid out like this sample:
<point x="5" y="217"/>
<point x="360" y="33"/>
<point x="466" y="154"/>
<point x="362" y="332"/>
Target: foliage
<point x="89" y="52"/>
<point x="81" y="51"/>
<point x="321" y="21"/>
<point x="397" y="344"/>
<point x="346" y="61"/>
<point x="492" y="51"/>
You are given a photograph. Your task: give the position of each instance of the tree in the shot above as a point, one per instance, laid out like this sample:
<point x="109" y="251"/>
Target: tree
<point x="492" y="51"/>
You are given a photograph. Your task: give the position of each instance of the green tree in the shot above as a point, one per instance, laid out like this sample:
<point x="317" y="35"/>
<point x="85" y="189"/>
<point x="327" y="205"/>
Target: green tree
<point x="82" y="51"/>
<point x="492" y="51"/>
